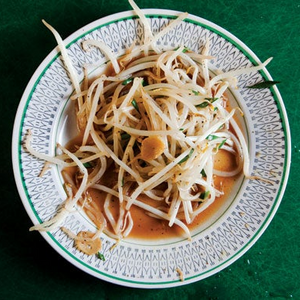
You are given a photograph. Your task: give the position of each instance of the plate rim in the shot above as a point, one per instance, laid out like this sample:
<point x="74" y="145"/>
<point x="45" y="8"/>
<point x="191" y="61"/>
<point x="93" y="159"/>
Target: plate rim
<point x="19" y="118"/>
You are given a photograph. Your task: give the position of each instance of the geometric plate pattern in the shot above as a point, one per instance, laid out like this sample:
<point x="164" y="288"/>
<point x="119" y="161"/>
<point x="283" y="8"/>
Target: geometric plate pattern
<point x="136" y="263"/>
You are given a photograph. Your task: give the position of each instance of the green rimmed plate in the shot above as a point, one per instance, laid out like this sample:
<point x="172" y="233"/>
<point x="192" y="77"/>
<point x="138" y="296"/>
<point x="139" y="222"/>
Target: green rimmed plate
<point x="46" y="110"/>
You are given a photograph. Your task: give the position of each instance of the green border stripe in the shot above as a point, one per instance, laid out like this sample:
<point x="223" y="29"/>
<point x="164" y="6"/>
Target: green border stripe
<point x="278" y="104"/>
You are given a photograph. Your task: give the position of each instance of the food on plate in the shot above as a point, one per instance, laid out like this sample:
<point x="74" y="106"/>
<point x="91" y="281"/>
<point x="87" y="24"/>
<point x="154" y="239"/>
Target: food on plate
<point x="152" y="130"/>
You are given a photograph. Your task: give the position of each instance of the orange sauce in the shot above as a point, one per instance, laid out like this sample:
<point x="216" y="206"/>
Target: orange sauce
<point x="148" y="227"/>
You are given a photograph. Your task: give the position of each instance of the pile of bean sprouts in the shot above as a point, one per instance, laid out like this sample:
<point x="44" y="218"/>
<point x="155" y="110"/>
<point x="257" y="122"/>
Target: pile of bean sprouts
<point x="168" y="98"/>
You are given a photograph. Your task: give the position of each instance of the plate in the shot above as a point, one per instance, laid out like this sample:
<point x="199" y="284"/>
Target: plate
<point x="45" y="108"/>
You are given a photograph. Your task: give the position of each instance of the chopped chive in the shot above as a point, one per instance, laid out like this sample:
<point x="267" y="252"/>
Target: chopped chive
<point x="203" y="173"/>
<point x="125" y="136"/>
<point x="195" y="92"/>
<point x="100" y="256"/>
<point x="144" y="82"/>
<point x="128" y="80"/>
<point x="202" y="105"/>
<point x="212" y="137"/>
<point x="135" y="105"/>
<point x="263" y="85"/>
<point x="205" y="104"/>
<point x="221" y="144"/>
<point x="185" y="49"/>
<point x="186" y="157"/>
<point x="87" y="165"/>
<point x="204" y="195"/>
<point x="211" y="100"/>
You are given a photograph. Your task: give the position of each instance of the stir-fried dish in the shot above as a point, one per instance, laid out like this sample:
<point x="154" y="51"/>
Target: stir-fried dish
<point x="149" y="131"/>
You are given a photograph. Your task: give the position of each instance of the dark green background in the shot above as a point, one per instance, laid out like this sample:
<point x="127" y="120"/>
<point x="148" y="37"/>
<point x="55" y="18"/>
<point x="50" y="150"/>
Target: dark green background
<point x="30" y="268"/>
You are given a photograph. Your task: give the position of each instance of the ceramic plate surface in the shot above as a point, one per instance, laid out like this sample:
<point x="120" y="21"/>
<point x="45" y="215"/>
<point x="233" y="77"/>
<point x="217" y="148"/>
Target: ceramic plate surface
<point x="45" y="108"/>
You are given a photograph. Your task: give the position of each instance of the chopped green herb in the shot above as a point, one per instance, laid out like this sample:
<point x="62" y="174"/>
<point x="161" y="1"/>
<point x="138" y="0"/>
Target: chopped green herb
<point x="212" y="137"/>
<point x="187" y="157"/>
<point x="128" y="80"/>
<point x="87" y="165"/>
<point x="135" y="105"/>
<point x="204" y="195"/>
<point x="100" y="256"/>
<point x="181" y="129"/>
<point x="203" y="173"/>
<point x="195" y="92"/>
<point x="125" y="136"/>
<point x="263" y="85"/>
<point x="221" y="144"/>
<point x="205" y="104"/>
<point x="202" y="105"/>
<point x="122" y="182"/>
<point x="185" y="49"/>
<point x="144" y="82"/>
<point x="211" y="100"/>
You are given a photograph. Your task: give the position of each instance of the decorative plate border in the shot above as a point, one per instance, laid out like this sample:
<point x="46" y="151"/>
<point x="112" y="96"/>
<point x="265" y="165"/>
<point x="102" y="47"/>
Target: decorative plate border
<point x="154" y="266"/>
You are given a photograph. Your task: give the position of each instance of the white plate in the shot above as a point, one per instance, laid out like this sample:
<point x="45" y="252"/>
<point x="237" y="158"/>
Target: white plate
<point x="45" y="109"/>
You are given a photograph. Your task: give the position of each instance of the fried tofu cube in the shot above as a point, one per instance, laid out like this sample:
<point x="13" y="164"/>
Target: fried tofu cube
<point x="152" y="147"/>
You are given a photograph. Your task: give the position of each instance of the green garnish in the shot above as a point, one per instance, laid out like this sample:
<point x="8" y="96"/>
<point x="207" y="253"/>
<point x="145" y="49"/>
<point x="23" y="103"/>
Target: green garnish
<point x="187" y="156"/>
<point x="206" y="103"/>
<point x="202" y="105"/>
<point x="195" y="92"/>
<point x="135" y="105"/>
<point x="144" y="82"/>
<point x="221" y="144"/>
<point x="203" y="173"/>
<point x="128" y="80"/>
<point x="213" y="99"/>
<point x="185" y="49"/>
<point x="125" y="136"/>
<point x="204" y="195"/>
<point x="87" y="165"/>
<point x="263" y="85"/>
<point x="212" y="137"/>
<point x="100" y="256"/>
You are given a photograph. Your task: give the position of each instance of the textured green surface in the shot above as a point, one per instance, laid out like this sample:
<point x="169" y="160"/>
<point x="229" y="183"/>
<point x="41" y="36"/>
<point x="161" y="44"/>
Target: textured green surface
<point x="31" y="269"/>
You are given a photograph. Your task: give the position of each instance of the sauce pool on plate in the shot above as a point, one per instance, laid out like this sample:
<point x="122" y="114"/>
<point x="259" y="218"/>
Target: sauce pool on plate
<point x="149" y="227"/>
